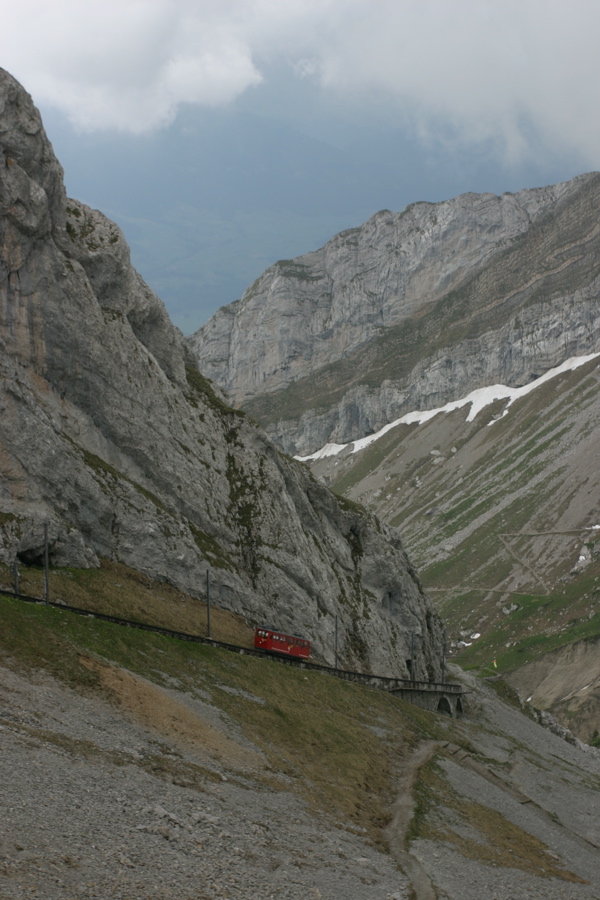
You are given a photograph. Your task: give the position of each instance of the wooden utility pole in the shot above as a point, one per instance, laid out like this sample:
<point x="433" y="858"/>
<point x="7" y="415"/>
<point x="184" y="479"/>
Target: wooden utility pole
<point x="336" y="642"/>
<point x="208" y="634"/>
<point x="46" y="566"/>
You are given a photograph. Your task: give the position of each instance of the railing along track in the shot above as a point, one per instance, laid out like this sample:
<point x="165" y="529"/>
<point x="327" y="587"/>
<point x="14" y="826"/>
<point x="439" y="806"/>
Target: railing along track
<point x="380" y="681"/>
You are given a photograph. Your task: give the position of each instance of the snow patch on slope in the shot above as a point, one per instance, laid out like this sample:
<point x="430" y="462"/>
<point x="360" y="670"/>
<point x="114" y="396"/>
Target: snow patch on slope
<point x="477" y="400"/>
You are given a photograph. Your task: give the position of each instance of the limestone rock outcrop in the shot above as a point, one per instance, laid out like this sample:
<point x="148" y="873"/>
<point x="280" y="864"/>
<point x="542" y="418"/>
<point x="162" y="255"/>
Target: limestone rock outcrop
<point x="111" y="436"/>
<point x="410" y="311"/>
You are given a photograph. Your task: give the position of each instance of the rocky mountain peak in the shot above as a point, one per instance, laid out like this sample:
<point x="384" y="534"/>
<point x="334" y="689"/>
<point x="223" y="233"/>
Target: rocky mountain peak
<point x="33" y="195"/>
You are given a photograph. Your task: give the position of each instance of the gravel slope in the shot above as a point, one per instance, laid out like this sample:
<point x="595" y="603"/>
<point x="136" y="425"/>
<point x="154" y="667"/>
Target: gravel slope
<point x="95" y="805"/>
<point x="103" y="801"/>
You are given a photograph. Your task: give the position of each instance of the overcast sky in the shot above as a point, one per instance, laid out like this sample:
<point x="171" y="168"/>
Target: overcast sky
<point x="516" y="80"/>
<point x="490" y="68"/>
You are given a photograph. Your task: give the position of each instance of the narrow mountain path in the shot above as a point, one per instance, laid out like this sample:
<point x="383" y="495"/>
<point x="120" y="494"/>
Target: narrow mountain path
<point x="403" y="810"/>
<point x="536" y="575"/>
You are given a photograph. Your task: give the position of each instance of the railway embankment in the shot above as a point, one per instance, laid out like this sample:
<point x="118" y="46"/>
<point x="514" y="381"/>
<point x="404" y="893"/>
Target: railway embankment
<point x="445" y="697"/>
<point x="142" y="766"/>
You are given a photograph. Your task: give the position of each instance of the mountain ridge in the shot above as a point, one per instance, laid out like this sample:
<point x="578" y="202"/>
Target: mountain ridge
<point x="521" y="298"/>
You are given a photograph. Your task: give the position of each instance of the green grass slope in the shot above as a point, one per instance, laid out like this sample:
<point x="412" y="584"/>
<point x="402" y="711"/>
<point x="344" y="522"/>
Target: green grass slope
<point x="344" y="749"/>
<point x="340" y="743"/>
<point x="498" y="515"/>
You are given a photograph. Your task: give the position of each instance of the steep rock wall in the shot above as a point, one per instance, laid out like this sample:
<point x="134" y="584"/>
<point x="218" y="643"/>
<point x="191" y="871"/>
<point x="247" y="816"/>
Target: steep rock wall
<point x="111" y="436"/>
<point x="412" y="310"/>
<point x="537" y="339"/>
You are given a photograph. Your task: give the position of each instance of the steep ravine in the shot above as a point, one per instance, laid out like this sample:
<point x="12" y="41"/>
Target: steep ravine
<point x="407" y="313"/>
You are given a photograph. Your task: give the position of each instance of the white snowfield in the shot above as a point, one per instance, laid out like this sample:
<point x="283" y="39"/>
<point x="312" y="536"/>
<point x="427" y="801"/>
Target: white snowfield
<point x="478" y="400"/>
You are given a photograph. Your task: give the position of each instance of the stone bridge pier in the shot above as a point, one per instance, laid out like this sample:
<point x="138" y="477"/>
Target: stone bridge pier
<point x="442" y="698"/>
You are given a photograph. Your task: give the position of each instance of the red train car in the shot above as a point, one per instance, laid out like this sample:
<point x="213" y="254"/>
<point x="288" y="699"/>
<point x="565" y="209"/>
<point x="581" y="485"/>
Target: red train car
<point x="288" y="644"/>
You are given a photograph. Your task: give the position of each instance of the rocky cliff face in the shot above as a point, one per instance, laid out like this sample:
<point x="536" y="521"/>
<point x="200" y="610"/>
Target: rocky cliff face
<point x="111" y="436"/>
<point x="410" y="311"/>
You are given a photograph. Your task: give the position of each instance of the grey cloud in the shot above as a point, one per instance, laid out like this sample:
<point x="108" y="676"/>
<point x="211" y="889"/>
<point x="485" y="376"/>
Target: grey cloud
<point x="482" y="68"/>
